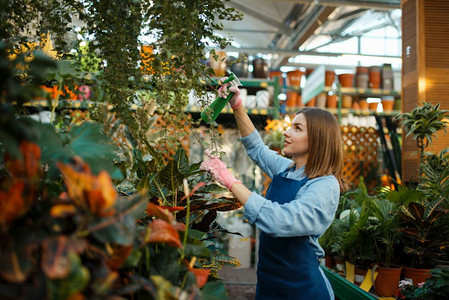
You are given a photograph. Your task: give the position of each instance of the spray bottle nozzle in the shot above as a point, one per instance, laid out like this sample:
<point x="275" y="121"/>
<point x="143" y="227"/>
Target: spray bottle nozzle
<point x="213" y="110"/>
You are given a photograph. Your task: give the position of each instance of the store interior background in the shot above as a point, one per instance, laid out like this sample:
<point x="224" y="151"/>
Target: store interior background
<point x="301" y="35"/>
<point x="411" y="35"/>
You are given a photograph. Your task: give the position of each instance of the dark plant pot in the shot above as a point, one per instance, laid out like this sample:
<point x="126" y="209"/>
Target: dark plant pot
<point x="416" y="276"/>
<point x="240" y="69"/>
<point x="340" y="265"/>
<point x="387" y="281"/>
<point x="359" y="275"/>
<point x="260" y="68"/>
<point x="329" y="261"/>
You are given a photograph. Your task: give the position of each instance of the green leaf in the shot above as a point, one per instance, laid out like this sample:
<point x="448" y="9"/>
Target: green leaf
<point x="121" y="228"/>
<point x="170" y="176"/>
<point x="214" y="290"/>
<point x="182" y="161"/>
<point x="76" y="281"/>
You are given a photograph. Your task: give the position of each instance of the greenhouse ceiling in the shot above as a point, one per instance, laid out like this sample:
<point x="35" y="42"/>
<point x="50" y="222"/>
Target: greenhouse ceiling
<point x="333" y="32"/>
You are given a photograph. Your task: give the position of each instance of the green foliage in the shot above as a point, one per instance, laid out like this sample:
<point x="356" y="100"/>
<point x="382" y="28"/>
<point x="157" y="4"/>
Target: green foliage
<point x="424" y="227"/>
<point x="423" y="123"/>
<point x="434" y="182"/>
<point x="108" y="246"/>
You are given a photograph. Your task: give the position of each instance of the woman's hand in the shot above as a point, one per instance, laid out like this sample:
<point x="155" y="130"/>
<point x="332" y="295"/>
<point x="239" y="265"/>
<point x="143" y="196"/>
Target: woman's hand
<point x="218" y="170"/>
<point x="224" y="90"/>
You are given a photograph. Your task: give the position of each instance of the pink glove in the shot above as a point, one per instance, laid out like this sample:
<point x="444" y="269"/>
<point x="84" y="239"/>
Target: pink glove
<point x="223" y="92"/>
<point x="218" y="170"/>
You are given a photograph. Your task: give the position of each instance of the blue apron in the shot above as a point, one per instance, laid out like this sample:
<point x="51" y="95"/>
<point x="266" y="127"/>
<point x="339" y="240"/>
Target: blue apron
<point x="288" y="267"/>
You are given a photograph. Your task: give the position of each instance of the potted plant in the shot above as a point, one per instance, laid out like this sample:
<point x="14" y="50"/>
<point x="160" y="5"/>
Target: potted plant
<point x="423" y="123"/>
<point x="386" y="239"/>
<point x="424" y="221"/>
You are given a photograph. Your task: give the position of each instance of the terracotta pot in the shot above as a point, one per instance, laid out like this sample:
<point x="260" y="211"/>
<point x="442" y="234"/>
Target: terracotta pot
<point x="292" y="99"/>
<point x="299" y="101"/>
<point x="329" y="261"/>
<point x="277" y="74"/>
<point x="346" y="101"/>
<point x="373" y="106"/>
<point x="416" y="276"/>
<point x="363" y="104"/>
<point x="346" y="80"/>
<point x="362" y="70"/>
<point x="355" y="105"/>
<point x="386" y="284"/>
<point x="374" y="77"/>
<point x="294" y="78"/>
<point x="329" y="78"/>
<point x="387" y="103"/>
<point x="359" y="275"/>
<point x="260" y="68"/>
<point x="331" y="101"/>
<point x="311" y="102"/>
<point x="321" y="100"/>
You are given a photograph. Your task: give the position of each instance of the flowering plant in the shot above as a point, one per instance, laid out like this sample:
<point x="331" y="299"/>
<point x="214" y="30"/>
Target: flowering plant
<point x="435" y="287"/>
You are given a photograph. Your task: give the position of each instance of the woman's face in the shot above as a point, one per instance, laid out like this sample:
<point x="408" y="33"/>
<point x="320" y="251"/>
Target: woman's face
<point x="296" y="142"/>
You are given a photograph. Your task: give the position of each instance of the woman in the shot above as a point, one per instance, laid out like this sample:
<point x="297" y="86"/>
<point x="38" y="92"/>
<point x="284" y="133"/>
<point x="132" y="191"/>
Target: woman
<point x="300" y="203"/>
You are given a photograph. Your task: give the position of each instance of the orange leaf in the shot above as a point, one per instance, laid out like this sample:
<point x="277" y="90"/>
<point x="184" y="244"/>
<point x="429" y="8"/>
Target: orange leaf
<point x="95" y="193"/>
<point x="12" y="204"/>
<point x="201" y="276"/>
<point x="163" y="232"/>
<point x="118" y="256"/>
<point x="29" y="165"/>
<point x="103" y="195"/>
<point x="173" y="208"/>
<point x="160" y="212"/>
<point x="32" y="155"/>
<point x="62" y="210"/>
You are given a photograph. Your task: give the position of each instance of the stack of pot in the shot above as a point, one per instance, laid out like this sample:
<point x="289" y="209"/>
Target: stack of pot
<point x="362" y="77"/>
<point x="374" y="77"/>
<point x="387" y="77"/>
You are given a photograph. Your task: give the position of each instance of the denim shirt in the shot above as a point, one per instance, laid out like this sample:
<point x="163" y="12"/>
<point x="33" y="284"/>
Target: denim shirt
<point x="310" y="213"/>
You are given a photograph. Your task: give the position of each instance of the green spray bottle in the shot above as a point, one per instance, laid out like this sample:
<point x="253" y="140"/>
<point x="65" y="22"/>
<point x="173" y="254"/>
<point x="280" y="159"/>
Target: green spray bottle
<point x="214" y="109"/>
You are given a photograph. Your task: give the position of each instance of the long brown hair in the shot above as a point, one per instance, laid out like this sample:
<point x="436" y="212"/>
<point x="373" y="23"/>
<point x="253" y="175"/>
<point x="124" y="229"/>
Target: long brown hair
<point x="325" y="145"/>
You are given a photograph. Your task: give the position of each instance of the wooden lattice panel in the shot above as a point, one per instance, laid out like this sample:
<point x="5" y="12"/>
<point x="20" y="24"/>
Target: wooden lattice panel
<point x="360" y="145"/>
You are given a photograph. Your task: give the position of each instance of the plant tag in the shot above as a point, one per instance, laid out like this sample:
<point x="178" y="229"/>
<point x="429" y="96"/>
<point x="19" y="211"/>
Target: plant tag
<point x="350" y="272"/>
<point x="369" y="280"/>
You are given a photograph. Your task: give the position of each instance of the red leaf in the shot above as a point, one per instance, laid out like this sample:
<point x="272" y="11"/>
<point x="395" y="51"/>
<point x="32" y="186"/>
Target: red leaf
<point x="164" y="232"/>
<point x="118" y="255"/>
<point x="201" y="276"/>
<point x="12" y="204"/>
<point x="160" y="212"/>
